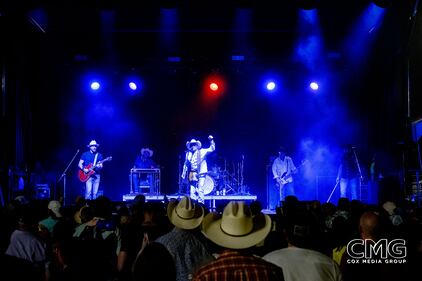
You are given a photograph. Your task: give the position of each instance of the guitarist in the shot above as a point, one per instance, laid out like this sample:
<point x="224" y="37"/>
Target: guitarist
<point x="195" y="168"/>
<point x="283" y="169"/>
<point x="92" y="156"/>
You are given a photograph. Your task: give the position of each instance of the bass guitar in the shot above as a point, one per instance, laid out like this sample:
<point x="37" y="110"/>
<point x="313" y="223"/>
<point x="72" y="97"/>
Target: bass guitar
<point x="287" y="177"/>
<point x="83" y="177"/>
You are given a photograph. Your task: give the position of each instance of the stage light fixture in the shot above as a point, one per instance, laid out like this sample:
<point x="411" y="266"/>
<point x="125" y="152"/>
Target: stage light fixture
<point x="95" y="85"/>
<point x="383" y="3"/>
<point x="174" y="59"/>
<point x="271" y="86"/>
<point x="314" y="86"/>
<point x="238" y="58"/>
<point x="213" y="86"/>
<point x="133" y="86"/>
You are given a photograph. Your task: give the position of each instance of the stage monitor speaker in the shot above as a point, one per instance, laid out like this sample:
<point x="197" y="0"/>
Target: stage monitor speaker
<point x="42" y="191"/>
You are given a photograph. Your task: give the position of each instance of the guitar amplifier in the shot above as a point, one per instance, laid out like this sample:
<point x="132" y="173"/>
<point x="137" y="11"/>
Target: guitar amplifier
<point x="41" y="191"/>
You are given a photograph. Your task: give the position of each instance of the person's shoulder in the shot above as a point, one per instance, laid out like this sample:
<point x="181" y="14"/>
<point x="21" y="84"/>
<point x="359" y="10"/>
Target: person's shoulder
<point x="274" y="254"/>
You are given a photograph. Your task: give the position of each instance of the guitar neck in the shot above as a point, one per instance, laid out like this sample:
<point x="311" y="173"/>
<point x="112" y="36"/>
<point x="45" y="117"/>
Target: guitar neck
<point x="99" y="163"/>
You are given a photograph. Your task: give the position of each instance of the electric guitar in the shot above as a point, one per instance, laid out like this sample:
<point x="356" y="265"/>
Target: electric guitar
<point x="83" y="177"/>
<point x="286" y="177"/>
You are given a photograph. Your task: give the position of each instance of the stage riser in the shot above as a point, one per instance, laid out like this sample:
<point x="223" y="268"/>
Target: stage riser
<point x="212" y="201"/>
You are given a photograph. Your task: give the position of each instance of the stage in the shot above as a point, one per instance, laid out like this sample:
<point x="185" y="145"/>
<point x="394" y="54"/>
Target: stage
<point x="210" y="200"/>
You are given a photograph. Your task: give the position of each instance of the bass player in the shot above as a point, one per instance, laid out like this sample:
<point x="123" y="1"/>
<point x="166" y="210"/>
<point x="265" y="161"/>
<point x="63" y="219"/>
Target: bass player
<point x="283" y="169"/>
<point x="93" y="157"/>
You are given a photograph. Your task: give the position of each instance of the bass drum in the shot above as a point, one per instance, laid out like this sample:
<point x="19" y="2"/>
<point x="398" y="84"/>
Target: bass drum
<point x="209" y="185"/>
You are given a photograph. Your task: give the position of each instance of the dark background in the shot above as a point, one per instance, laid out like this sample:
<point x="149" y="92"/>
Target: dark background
<point x="49" y="51"/>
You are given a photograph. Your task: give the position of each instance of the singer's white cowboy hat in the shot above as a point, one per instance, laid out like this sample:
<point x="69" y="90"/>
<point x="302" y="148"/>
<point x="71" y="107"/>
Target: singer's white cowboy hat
<point x="193" y="142"/>
<point x="150" y="152"/>
<point x="185" y="214"/>
<point x="236" y="228"/>
<point x="93" y="143"/>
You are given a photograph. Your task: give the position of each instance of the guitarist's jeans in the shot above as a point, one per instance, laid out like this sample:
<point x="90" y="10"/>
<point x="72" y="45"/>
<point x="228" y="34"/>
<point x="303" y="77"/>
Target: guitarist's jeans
<point x="91" y="187"/>
<point x="349" y="186"/>
<point x="286" y="190"/>
<point x="197" y="190"/>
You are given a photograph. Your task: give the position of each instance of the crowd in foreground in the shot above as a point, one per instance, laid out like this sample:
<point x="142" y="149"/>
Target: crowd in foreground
<point x="183" y="240"/>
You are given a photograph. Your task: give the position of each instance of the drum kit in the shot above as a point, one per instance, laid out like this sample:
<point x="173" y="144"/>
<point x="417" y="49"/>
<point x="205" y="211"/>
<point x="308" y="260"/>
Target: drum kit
<point x="221" y="182"/>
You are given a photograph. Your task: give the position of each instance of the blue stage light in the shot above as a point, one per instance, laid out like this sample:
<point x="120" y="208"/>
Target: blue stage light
<point x="133" y="86"/>
<point x="271" y="86"/>
<point x="238" y="58"/>
<point x="95" y="85"/>
<point x="314" y="86"/>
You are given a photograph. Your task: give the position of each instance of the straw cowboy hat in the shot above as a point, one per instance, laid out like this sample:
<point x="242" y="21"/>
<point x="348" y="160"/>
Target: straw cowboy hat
<point x="193" y="142"/>
<point x="55" y="206"/>
<point x="93" y="143"/>
<point x="236" y="228"/>
<point x="150" y="152"/>
<point x="389" y="207"/>
<point x="185" y="214"/>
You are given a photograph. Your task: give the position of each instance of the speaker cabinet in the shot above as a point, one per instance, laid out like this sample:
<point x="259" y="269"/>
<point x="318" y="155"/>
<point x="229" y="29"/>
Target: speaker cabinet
<point x="41" y="191"/>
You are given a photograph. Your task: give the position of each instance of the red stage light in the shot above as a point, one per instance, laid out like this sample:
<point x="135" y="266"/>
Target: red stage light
<point x="213" y="86"/>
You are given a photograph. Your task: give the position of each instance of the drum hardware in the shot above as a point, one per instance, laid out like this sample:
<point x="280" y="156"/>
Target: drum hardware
<point x="224" y="181"/>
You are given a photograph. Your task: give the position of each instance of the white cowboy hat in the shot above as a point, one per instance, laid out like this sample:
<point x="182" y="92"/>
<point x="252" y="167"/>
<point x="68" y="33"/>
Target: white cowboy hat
<point x="93" y="143"/>
<point x="55" y="206"/>
<point x="150" y="152"/>
<point x="389" y="207"/>
<point x="193" y="142"/>
<point x="185" y="214"/>
<point x="236" y="228"/>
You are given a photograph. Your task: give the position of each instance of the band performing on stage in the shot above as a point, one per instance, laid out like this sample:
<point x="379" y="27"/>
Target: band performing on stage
<point x="202" y="179"/>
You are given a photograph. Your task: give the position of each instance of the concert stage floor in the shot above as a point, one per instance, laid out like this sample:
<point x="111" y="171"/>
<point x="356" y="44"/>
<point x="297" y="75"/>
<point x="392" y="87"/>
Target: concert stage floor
<point x="212" y="200"/>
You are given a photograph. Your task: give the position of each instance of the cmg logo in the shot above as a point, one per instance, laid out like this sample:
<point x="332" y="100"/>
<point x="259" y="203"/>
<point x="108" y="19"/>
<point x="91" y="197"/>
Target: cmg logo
<point x="381" y="249"/>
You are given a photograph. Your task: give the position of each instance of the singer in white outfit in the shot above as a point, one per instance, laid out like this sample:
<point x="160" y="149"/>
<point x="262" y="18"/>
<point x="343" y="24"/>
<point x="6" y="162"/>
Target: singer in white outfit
<point x="195" y="167"/>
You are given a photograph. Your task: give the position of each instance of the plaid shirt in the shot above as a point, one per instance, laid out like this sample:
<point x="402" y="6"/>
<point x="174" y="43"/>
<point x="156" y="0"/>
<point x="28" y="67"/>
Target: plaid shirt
<point x="187" y="250"/>
<point x="234" y="266"/>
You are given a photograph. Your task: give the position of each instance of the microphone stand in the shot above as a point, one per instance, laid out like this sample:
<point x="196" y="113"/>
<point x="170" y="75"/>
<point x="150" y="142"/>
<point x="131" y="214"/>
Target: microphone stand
<point x="332" y="192"/>
<point x="180" y="179"/>
<point x="360" y="172"/>
<point x="358" y="165"/>
<point x="242" y="187"/>
<point x="63" y="176"/>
